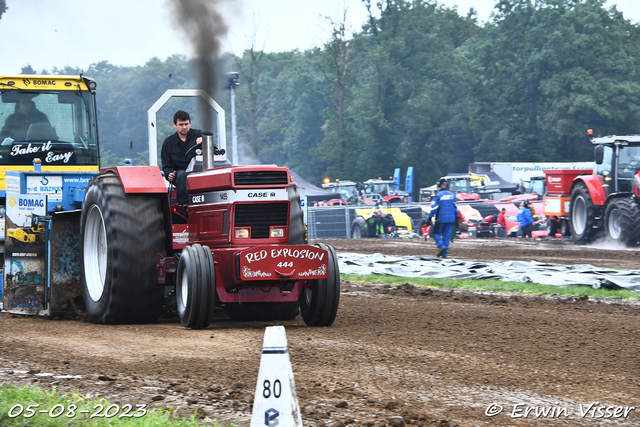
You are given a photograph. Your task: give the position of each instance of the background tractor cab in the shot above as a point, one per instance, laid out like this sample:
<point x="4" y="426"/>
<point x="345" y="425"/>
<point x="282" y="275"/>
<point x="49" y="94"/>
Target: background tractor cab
<point x="384" y="190"/>
<point x="534" y="189"/>
<point x="460" y="185"/>
<point x="348" y="191"/>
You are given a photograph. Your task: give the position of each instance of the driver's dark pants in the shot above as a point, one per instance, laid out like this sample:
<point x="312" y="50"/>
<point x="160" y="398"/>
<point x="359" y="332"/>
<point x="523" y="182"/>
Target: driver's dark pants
<point x="181" y="187"/>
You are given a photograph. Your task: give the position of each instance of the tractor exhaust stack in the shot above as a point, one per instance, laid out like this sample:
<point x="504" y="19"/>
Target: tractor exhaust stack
<point x="207" y="150"/>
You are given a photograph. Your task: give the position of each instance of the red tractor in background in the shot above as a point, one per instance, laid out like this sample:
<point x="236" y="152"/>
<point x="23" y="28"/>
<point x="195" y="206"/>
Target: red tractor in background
<point x="606" y="201"/>
<point x="240" y="242"/>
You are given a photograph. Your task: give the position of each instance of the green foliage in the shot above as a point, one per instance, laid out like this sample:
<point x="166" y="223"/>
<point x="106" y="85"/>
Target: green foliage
<point x="550" y="70"/>
<point x="418" y="85"/>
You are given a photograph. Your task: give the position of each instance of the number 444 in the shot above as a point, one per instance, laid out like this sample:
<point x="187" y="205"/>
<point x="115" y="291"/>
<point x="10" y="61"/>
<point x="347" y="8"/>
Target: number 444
<point x="285" y="264"/>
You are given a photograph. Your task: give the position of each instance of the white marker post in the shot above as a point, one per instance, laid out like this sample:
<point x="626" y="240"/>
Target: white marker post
<point x="275" y="402"/>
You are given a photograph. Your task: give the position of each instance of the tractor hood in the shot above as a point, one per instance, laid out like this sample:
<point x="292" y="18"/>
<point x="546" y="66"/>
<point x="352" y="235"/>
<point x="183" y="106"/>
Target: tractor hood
<point x="238" y="177"/>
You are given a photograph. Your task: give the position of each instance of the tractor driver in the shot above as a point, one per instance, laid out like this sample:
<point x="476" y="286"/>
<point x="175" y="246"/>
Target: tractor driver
<point x="25" y="114"/>
<point x="174" y="149"/>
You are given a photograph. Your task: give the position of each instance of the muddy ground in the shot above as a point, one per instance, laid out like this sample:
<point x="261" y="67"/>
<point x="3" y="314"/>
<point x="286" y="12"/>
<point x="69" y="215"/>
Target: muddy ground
<point x="394" y="356"/>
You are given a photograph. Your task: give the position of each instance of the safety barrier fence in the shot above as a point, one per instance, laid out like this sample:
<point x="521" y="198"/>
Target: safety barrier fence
<point x="335" y="222"/>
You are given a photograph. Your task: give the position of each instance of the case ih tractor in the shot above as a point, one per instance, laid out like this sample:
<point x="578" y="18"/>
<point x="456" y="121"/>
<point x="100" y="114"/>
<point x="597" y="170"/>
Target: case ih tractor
<point x="608" y="199"/>
<point x="243" y="245"/>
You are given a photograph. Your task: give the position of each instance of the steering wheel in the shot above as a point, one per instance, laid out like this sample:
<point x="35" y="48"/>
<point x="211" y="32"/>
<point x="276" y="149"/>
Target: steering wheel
<point x="188" y="153"/>
<point x="216" y="151"/>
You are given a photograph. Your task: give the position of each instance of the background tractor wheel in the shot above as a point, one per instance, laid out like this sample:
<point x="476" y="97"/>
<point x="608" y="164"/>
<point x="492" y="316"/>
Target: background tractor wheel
<point x="622" y="221"/>
<point x="582" y="215"/>
<point x="297" y="230"/>
<point x="195" y="286"/>
<point x="121" y="236"/>
<point x="552" y="227"/>
<point x="358" y="229"/>
<point x="319" y="302"/>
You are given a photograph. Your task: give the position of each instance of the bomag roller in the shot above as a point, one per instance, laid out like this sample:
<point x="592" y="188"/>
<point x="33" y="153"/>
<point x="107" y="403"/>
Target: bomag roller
<point x="239" y="243"/>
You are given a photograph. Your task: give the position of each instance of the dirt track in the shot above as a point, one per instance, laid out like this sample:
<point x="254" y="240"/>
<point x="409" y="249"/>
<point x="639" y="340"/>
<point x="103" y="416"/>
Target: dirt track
<point x="435" y="358"/>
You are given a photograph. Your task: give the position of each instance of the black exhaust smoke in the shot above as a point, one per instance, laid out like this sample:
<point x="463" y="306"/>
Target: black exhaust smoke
<point x="204" y="26"/>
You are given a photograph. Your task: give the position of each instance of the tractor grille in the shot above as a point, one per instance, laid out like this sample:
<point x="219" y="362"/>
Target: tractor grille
<point x="260" y="178"/>
<point x="261" y="216"/>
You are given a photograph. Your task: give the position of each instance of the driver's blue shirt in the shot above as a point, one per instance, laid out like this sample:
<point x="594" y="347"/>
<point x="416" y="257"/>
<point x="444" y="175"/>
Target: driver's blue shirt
<point x="174" y="150"/>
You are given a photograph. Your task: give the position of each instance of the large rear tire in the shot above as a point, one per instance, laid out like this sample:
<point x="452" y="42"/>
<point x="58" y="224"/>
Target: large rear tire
<point x="121" y="236"/>
<point x="196" y="286"/>
<point x="319" y="301"/>
<point x="622" y="221"/>
<point x="582" y="215"/>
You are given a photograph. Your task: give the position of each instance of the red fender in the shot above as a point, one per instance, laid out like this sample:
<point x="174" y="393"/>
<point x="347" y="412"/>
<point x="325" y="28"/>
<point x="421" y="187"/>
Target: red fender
<point x="598" y="196"/>
<point x="636" y="185"/>
<point x="139" y="179"/>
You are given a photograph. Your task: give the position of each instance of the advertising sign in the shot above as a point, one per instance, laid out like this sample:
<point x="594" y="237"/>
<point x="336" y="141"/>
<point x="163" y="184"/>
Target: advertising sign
<point x="24" y="262"/>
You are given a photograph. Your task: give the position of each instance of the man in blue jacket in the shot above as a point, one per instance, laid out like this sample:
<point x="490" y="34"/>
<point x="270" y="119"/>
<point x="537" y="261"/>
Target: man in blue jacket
<point x="445" y="211"/>
<point x="525" y="220"/>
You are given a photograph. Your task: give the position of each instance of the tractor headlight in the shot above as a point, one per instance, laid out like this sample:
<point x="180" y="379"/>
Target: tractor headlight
<point x="242" y="233"/>
<point x="276" y="232"/>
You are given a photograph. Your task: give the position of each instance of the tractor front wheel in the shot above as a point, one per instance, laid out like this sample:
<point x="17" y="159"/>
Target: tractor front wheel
<point x="196" y="286"/>
<point x="319" y="301"/>
<point x="582" y="215"/>
<point x="121" y="236"/>
<point x="622" y="221"/>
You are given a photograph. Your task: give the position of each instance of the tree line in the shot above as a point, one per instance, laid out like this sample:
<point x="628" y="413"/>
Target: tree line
<point x="418" y="85"/>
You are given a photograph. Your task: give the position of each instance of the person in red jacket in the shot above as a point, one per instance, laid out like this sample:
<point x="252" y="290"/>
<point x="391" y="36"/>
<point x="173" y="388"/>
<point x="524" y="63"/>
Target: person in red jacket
<point x="503" y="223"/>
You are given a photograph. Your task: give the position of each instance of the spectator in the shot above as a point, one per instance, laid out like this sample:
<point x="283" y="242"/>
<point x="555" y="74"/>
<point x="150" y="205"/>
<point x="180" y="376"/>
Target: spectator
<point x="388" y="222"/>
<point x="374" y="224"/>
<point x="502" y="221"/>
<point x="525" y="220"/>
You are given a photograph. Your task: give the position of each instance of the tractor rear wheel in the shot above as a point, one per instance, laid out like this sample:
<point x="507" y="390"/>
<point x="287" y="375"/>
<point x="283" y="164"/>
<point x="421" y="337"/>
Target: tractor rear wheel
<point x="622" y="221"/>
<point x="121" y="236"/>
<point x="582" y="215"/>
<point x="358" y="229"/>
<point x="196" y="286"/>
<point x="319" y="301"/>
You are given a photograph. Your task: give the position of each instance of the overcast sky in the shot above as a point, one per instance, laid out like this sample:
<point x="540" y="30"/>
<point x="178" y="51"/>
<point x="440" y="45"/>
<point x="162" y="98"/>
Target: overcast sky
<point x="46" y="33"/>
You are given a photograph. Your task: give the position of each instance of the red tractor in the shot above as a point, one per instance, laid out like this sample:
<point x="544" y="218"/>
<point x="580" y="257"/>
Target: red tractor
<point x="240" y="242"/>
<point x="608" y="200"/>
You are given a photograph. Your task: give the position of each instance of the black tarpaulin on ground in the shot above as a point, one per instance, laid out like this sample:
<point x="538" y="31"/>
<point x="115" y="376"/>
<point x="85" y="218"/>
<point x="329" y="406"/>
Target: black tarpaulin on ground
<point x="512" y="271"/>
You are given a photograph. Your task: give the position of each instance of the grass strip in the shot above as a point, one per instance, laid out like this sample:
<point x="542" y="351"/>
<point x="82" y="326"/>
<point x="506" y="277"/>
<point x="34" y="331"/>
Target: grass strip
<point x="493" y="285"/>
<point x="63" y="410"/>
